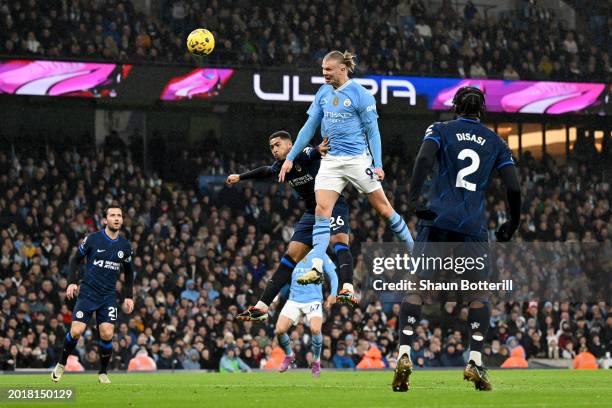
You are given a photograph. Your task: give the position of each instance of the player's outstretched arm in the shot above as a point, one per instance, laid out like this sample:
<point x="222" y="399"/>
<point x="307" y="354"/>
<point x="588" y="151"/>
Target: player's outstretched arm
<point x="258" y="173"/>
<point x="513" y="195"/>
<point x="422" y="167"/>
<point x="73" y="274"/>
<point x="304" y="137"/>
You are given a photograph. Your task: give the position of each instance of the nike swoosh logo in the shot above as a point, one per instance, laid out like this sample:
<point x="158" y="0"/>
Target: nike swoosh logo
<point x="342" y="265"/>
<point x="101" y="250"/>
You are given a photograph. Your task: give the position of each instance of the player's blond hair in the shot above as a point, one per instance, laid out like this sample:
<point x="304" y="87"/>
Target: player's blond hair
<point x="345" y="58"/>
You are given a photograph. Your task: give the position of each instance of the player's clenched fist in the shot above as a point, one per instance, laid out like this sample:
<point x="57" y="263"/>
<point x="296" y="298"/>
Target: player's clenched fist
<point x="323" y="148"/>
<point x="287" y="166"/>
<point x="233" y="179"/>
<point x="128" y="305"/>
<point x="379" y="173"/>
<point x="71" y="290"/>
<point x="331" y="299"/>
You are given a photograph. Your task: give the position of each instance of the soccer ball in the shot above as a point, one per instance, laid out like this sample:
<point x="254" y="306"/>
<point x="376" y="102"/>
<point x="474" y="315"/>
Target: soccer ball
<point x="200" y="42"/>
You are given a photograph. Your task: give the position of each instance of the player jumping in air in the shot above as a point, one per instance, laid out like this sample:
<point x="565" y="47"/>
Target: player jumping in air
<point x="466" y="153"/>
<point x="306" y="300"/>
<point x="106" y="252"/>
<point x="302" y="179"/>
<point x="347" y="114"/>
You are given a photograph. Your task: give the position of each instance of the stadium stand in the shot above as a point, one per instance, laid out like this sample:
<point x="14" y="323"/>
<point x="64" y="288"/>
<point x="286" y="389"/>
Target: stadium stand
<point x="389" y="37"/>
<point x="202" y="257"/>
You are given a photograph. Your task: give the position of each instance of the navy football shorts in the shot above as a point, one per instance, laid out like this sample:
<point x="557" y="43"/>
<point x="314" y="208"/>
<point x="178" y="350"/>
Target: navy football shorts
<point x="106" y="310"/>
<point x="338" y="223"/>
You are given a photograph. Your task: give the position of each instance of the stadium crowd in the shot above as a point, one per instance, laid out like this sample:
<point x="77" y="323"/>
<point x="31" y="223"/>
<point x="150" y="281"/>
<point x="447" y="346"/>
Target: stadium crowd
<point x="389" y="37"/>
<point x="200" y="258"/>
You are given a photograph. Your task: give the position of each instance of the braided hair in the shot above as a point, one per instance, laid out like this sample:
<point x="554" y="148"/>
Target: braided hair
<point x="469" y="101"/>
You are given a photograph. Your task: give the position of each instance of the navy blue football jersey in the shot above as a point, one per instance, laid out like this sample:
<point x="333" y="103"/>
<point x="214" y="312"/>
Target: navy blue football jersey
<point x="302" y="175"/>
<point x="104" y="259"/>
<point x="468" y="154"/>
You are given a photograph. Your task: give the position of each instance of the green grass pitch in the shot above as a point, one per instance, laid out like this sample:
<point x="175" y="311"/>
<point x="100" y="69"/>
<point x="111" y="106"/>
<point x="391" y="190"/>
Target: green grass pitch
<point x="514" y="388"/>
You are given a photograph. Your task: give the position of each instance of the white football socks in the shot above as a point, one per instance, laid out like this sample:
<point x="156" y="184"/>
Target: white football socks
<point x="476" y="357"/>
<point x="404" y="349"/>
<point x="348" y="286"/>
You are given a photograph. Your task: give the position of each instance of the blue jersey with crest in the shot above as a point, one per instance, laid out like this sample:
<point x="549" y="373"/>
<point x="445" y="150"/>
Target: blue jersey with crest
<point x="343" y="113"/>
<point x="104" y="259"/>
<point x="312" y="293"/>
<point x="467" y="156"/>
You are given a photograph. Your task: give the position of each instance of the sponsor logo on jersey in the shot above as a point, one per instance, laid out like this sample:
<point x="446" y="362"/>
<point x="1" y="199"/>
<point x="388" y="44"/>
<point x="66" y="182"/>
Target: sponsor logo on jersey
<point x="337" y="115"/>
<point x="300" y="181"/>
<point x="101" y="263"/>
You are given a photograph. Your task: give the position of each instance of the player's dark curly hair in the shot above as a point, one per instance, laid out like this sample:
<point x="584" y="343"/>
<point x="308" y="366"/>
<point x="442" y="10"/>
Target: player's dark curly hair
<point x="469" y="101"/>
<point x="283" y="134"/>
<point x="108" y="207"/>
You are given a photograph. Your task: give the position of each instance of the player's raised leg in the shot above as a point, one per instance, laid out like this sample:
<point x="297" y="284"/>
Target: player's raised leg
<point x="282" y="326"/>
<point x="479" y="316"/>
<point x="107" y="330"/>
<point x="281" y="277"/>
<point x="410" y="315"/>
<point x="339" y="243"/>
<point x="72" y="338"/>
<point x="326" y="200"/>
<point x="381" y="204"/>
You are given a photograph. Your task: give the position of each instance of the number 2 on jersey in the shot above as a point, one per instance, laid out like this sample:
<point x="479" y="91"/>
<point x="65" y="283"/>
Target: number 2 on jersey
<point x="463" y="173"/>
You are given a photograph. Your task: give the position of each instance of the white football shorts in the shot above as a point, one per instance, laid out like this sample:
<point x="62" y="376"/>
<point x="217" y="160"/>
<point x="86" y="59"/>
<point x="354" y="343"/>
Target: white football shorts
<point x="294" y="310"/>
<point x="337" y="171"/>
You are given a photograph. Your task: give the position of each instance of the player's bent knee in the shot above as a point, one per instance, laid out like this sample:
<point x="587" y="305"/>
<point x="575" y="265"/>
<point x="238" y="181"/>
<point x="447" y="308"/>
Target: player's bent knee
<point x="324" y="210"/>
<point x="77" y="329"/>
<point x="106" y="331"/>
<point x="339" y="239"/>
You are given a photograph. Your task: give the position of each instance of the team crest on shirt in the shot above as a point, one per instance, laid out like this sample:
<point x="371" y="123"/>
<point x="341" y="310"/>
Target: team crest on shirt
<point x="120" y="254"/>
<point x="347" y="102"/>
<point x="336" y="101"/>
<point x="298" y="167"/>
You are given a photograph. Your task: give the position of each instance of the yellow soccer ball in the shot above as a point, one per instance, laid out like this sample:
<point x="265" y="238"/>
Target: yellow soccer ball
<point x="200" y="42"/>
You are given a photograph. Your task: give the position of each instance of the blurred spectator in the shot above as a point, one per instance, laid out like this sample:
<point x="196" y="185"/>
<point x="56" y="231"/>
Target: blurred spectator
<point x="516" y="359"/>
<point x="341" y="360"/>
<point x="585" y="360"/>
<point x="230" y="363"/>
<point x="142" y="362"/>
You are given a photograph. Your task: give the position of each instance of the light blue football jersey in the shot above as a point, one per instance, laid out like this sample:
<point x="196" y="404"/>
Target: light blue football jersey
<point x="344" y="112"/>
<point x="312" y="293"/>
